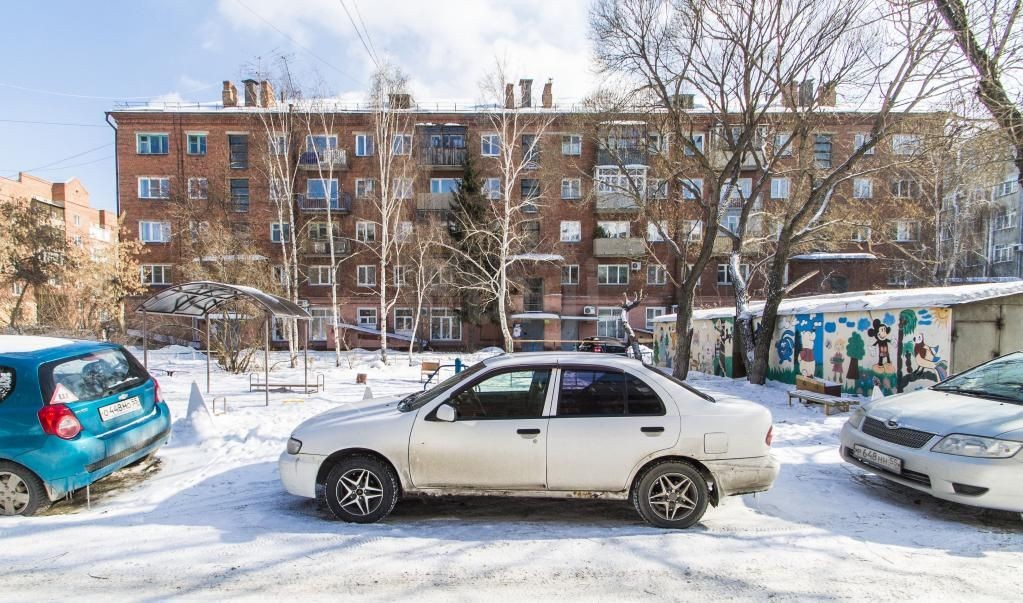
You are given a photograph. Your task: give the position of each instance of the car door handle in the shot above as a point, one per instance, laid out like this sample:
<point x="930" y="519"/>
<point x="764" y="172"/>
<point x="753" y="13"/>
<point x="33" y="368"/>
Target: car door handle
<point x="657" y="429"/>
<point x="533" y="431"/>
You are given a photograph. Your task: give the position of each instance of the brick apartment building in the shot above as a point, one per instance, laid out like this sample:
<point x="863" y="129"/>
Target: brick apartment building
<point x="600" y="246"/>
<point x="68" y="203"/>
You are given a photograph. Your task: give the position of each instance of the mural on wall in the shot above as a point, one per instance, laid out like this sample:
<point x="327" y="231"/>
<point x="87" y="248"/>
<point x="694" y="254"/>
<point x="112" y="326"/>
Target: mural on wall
<point x="712" y="346"/>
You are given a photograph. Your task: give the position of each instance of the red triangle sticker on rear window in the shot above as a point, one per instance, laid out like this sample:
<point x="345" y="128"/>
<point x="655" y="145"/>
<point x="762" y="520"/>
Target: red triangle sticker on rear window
<point x="62" y="395"/>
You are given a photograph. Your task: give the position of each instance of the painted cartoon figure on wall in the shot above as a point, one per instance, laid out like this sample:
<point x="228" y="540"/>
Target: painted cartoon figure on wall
<point x="722" y="360"/>
<point x="807" y="362"/>
<point x="927" y="359"/>
<point x="882" y="339"/>
<point x="837" y="361"/>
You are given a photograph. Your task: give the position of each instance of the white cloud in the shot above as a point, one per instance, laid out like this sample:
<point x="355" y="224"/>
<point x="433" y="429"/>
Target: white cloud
<point x="445" y="47"/>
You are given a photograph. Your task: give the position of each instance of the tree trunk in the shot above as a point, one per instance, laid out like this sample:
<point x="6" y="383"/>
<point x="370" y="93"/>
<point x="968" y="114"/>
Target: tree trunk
<point x="683" y="340"/>
<point x="743" y="316"/>
<point x="898" y="357"/>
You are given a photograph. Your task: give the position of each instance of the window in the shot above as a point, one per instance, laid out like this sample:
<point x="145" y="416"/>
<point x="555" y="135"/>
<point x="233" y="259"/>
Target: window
<point x="320" y="275"/>
<point x="156" y="274"/>
<point x="320" y="143"/>
<point x="898" y="277"/>
<point x="196" y="230"/>
<point x="906" y="144"/>
<point x="492" y="188"/>
<point x="402" y="188"/>
<point x="401" y="274"/>
<point x="278" y="275"/>
<point x="654" y="231"/>
<point x="571" y="231"/>
<point x="739" y="190"/>
<point x="490" y="145"/>
<point x="613" y="274"/>
<point x="444" y="325"/>
<point x="571" y="144"/>
<point x="861" y="139"/>
<point x="613" y="229"/>
<point x="367" y="317"/>
<point x="571" y="188"/>
<point x="280" y="231"/>
<point x="905" y="189"/>
<point x="531" y="233"/>
<point x="863" y="188"/>
<point x="366" y="276"/>
<point x="1006" y="188"/>
<point x="609" y="322"/>
<point x="6" y="382"/>
<point x="570" y="274"/>
<point x="653" y="312"/>
<point x="196" y="144"/>
<point x="656" y="275"/>
<point x="319" y="188"/>
<point x="587" y="393"/>
<point x="77" y="220"/>
<point x="779" y="188"/>
<point x="657" y="188"/>
<point x="154" y="187"/>
<point x="508" y="395"/>
<point x="725" y="277"/>
<point x="239" y="147"/>
<point x="861" y="234"/>
<point x="402" y="231"/>
<point x="656" y="143"/>
<point x="692" y="188"/>
<point x="152" y="144"/>
<point x="198" y="188"/>
<point x="321" y="318"/>
<point x="363" y="145"/>
<point x="1002" y="254"/>
<point x="444" y="185"/>
<point x="154" y="232"/>
<point x="530" y="150"/>
<point x="906" y="231"/>
<point x="401" y="144"/>
<point x="530" y="188"/>
<point x="365" y="232"/>
<point x="615" y="180"/>
<point x="822" y="150"/>
<point x="278" y="144"/>
<point x="240" y="194"/>
<point x="364" y="188"/>
<point x="693" y="229"/>
<point x="1004" y="219"/>
<point x="403" y="320"/>
<point x="783" y="145"/>
<point x="696" y="140"/>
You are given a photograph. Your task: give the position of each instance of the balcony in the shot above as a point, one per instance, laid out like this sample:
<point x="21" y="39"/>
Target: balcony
<point x="443" y="158"/>
<point x="719" y="159"/>
<point x="616" y="202"/>
<point x="619" y="248"/>
<point x="341" y="204"/>
<point x="434" y="201"/>
<point x="321" y="247"/>
<point x="623" y="156"/>
<point x="323" y="159"/>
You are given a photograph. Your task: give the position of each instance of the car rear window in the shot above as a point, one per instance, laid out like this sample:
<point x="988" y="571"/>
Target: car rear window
<point x="589" y="393"/>
<point x="6" y="382"/>
<point x="90" y="376"/>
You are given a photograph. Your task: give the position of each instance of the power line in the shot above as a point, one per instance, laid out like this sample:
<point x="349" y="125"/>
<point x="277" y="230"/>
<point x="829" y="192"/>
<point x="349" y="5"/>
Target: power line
<point x="293" y="41"/>
<point x="59" y="161"/>
<point x="73" y="165"/>
<point x="90" y="97"/>
<point x="369" y="38"/>
<point x="52" y="123"/>
<point x="359" y="33"/>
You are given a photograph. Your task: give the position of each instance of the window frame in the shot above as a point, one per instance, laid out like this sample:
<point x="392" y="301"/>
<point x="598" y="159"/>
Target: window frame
<point x="577" y="231"/>
<point x="573" y="269"/>
<point x="149" y="143"/>
<point x="619" y="270"/>
<point x="363" y="272"/>
<point x="201" y="143"/>
<point x="163" y="187"/>
<point x="364" y="146"/>
<point x="574" y="144"/>
<point x="490" y="141"/>
<point x="165" y="274"/>
<point x="575" y="188"/>
<point x="198" y="188"/>
<point x="556" y="406"/>
<point x="164" y="228"/>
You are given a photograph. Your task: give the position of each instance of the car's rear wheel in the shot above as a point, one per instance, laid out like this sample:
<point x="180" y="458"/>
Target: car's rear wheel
<point x="21" y="492"/>
<point x="361" y="489"/>
<point x="672" y="494"/>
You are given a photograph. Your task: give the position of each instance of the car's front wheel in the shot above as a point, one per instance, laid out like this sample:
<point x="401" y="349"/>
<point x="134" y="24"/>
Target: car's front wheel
<point x="21" y="492"/>
<point x="361" y="489"/>
<point x="672" y="494"/>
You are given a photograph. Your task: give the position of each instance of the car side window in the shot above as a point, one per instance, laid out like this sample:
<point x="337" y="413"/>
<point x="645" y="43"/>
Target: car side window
<point x="508" y="395"/>
<point x="589" y="393"/>
<point x="6" y="382"/>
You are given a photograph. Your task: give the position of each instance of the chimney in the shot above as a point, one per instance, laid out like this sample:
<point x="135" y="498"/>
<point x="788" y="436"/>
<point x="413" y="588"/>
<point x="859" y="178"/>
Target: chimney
<point x="509" y="96"/>
<point x="266" y="94"/>
<point x="230" y="94"/>
<point x="827" y="94"/>
<point x="400" y="100"/>
<point x="526" y="92"/>
<point x="547" y="98"/>
<point x="807" y="93"/>
<point x="251" y="93"/>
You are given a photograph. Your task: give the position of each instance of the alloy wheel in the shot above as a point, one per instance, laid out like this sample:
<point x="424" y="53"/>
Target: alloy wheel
<point x="14" y="494"/>
<point x="359" y="492"/>
<point x="673" y="496"/>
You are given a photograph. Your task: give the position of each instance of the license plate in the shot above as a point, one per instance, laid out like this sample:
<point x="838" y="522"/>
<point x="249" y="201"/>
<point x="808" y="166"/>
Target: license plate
<point x="111" y="411"/>
<point x="873" y="457"/>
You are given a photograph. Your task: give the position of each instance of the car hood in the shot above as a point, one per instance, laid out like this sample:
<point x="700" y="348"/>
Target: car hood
<point x="946" y="412"/>
<point x="373" y="409"/>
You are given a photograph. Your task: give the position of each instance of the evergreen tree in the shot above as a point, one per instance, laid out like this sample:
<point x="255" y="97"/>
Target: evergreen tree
<point x="470" y="216"/>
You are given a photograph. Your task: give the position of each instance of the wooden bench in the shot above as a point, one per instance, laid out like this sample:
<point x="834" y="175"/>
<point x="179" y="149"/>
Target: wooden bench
<point x="827" y="400"/>
<point x="428" y="368"/>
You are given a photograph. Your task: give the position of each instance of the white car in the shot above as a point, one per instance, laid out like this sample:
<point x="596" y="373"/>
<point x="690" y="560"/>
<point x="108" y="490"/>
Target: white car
<point x="556" y="424"/>
<point x="959" y="440"/>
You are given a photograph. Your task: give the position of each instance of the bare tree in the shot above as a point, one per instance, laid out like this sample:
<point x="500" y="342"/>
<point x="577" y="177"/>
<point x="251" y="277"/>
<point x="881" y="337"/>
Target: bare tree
<point x="428" y="262"/>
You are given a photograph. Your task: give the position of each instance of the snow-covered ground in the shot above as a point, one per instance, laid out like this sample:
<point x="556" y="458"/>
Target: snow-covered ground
<point x="210" y="520"/>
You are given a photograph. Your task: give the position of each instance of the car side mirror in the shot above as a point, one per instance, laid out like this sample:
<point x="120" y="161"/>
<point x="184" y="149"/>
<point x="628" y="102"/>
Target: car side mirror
<point x="446" y="413"/>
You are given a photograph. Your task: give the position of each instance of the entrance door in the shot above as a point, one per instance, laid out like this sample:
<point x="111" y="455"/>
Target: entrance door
<point x="569" y="335"/>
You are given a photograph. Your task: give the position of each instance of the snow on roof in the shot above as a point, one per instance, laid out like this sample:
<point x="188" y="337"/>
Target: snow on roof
<point x="537" y="257"/>
<point x="866" y="301"/>
<point x="231" y="258"/>
<point x="824" y="256"/>
<point x="20" y="344"/>
<point x="535" y="316"/>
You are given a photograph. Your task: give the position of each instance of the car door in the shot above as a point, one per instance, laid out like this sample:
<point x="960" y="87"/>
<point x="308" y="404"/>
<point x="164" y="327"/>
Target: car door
<point x="605" y="422"/>
<point x="498" y="439"/>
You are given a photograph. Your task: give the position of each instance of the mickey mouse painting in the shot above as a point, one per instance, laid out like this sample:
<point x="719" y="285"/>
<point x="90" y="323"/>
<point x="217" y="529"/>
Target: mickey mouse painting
<point x="882" y="338"/>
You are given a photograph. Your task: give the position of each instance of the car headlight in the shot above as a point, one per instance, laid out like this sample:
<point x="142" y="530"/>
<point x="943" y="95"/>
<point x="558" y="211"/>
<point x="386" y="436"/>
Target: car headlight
<point x="858" y="415"/>
<point x="977" y="446"/>
<point x="294" y="446"/>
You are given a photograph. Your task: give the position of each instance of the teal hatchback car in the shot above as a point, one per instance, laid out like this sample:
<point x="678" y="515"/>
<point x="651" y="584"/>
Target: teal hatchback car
<point x="71" y="412"/>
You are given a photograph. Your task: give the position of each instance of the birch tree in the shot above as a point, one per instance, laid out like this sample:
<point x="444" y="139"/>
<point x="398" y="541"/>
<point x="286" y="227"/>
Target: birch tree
<point x="428" y="262"/>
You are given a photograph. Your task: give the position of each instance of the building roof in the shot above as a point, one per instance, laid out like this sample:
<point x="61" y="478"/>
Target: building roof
<point x="866" y="301"/>
<point x="197" y="299"/>
<point x="827" y="256"/>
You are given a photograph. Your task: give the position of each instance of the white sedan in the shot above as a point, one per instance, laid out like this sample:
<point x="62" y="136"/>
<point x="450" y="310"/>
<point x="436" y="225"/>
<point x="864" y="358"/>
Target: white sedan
<point x="959" y="440"/>
<point x="540" y="424"/>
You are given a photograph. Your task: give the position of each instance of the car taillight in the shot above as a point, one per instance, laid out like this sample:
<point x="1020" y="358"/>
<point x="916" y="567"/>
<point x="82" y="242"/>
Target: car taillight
<point x="157" y="398"/>
<point x="770" y="436"/>
<point x="597" y="348"/>
<point x="59" y="420"/>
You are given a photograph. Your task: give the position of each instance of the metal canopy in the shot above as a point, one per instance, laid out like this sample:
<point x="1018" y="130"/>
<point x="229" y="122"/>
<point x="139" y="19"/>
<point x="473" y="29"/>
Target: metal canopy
<point x="199" y="298"/>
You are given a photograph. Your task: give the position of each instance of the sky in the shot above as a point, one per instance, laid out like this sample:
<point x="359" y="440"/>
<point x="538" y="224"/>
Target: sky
<point x="67" y="62"/>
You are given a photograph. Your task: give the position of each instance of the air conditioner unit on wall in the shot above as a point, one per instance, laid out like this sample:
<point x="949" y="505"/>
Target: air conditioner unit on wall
<point x="637" y="266"/>
<point x="589" y="310"/>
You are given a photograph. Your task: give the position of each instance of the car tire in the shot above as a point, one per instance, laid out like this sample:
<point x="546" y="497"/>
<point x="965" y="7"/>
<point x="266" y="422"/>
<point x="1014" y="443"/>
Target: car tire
<point x="21" y="491"/>
<point x="671" y="494"/>
<point x="361" y="489"/>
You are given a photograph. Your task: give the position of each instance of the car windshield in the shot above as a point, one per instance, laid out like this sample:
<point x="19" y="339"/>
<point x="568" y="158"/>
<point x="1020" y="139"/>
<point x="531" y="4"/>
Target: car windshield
<point x="414" y="401"/>
<point x="90" y="376"/>
<point x="999" y="379"/>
